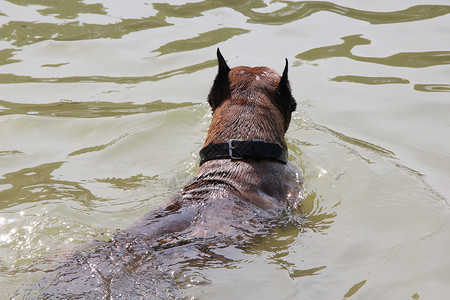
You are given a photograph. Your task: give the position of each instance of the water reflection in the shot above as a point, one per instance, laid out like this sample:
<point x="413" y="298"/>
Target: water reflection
<point x="86" y="109"/>
<point x="432" y="87"/>
<point x="375" y="149"/>
<point x="203" y="40"/>
<point x="6" y="56"/>
<point x="68" y="9"/>
<point x="36" y="184"/>
<point x="100" y="147"/>
<point x="278" y="243"/>
<point x="370" y="80"/>
<point x="406" y="59"/>
<point x="55" y="65"/>
<point x="296" y="273"/>
<point x="191" y="10"/>
<point x="298" y="10"/>
<point x="130" y="183"/>
<point x="354" y="289"/>
<point x="317" y="217"/>
<point x="22" y="33"/>
<point x="11" y="78"/>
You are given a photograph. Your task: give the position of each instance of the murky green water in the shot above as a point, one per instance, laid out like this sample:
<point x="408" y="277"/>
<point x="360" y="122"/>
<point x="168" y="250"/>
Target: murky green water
<point x="103" y="111"/>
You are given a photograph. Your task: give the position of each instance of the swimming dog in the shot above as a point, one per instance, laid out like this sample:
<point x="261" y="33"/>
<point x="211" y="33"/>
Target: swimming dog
<point x="245" y="180"/>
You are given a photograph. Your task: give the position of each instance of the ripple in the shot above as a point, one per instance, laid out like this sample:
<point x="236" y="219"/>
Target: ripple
<point x="22" y="33"/>
<point x="203" y="40"/>
<point x="95" y="109"/>
<point x="370" y="80"/>
<point x="55" y="65"/>
<point x="298" y="10"/>
<point x="432" y="87"/>
<point x="404" y="59"/>
<point x="6" y="56"/>
<point x="294" y="11"/>
<point x="99" y="147"/>
<point x="70" y="11"/>
<point x="12" y="152"/>
<point x="12" y="78"/>
<point x="36" y="184"/>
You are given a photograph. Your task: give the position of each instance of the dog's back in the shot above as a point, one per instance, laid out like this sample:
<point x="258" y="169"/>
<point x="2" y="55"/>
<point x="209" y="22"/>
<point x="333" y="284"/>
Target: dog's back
<point x="244" y="182"/>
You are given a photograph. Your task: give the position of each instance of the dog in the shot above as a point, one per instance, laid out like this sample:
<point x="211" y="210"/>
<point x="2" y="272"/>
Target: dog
<point x="245" y="181"/>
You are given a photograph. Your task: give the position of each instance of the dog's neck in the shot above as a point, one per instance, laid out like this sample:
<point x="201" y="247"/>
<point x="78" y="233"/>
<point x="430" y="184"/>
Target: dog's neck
<point x="236" y="120"/>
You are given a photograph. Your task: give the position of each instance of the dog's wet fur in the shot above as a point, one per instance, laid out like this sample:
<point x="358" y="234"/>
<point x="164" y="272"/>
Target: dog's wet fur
<point x="228" y="202"/>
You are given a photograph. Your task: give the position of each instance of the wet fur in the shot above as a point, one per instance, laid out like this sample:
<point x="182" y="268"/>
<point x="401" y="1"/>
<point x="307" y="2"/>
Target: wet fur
<point x="226" y="203"/>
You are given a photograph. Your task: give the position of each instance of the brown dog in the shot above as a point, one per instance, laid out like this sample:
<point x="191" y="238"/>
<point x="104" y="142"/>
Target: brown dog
<point x="244" y="181"/>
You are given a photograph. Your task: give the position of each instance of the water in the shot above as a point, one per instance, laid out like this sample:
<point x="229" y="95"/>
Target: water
<point x="103" y="111"/>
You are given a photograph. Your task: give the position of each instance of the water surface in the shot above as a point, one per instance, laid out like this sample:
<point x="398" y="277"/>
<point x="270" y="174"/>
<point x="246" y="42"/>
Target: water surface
<point x="103" y="111"/>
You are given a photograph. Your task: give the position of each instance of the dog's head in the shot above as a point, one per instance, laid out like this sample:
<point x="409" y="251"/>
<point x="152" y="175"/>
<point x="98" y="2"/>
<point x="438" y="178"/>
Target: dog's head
<point x="250" y="103"/>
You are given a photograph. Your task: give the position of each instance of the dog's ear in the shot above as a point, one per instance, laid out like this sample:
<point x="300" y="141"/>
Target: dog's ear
<point x="286" y="101"/>
<point x="220" y="90"/>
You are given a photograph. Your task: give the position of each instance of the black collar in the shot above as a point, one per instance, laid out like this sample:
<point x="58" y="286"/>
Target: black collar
<point x="237" y="150"/>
